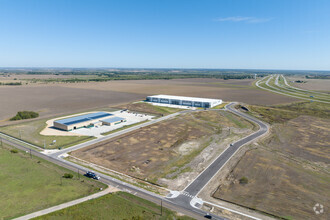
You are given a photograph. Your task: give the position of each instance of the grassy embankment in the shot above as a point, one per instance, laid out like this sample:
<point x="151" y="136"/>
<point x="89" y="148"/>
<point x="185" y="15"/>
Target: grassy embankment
<point x="283" y="113"/>
<point x="119" y="205"/>
<point x="292" y="91"/>
<point x="144" y="107"/>
<point x="31" y="184"/>
<point x="30" y="132"/>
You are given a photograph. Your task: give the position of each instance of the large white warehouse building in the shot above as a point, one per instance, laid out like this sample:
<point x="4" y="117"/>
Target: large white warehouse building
<point x="185" y="101"/>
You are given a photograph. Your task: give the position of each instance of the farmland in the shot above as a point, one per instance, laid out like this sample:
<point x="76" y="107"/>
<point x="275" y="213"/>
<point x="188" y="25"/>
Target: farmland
<point x="51" y="100"/>
<point x="286" y="173"/>
<point x="311" y="84"/>
<point x="31" y="184"/>
<point x="119" y="205"/>
<point x="163" y="150"/>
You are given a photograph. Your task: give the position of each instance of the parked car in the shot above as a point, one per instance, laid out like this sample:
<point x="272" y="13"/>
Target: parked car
<point x="208" y="216"/>
<point x="92" y="175"/>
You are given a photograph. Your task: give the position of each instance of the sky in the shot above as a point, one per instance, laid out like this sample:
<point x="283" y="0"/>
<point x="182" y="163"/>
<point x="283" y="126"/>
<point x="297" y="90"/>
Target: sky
<point x="224" y="34"/>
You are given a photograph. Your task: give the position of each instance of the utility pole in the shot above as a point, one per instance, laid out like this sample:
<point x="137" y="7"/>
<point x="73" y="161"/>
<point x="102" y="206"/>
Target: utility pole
<point x="161" y="207"/>
<point x="78" y="174"/>
<point x="30" y="153"/>
<point x="44" y="144"/>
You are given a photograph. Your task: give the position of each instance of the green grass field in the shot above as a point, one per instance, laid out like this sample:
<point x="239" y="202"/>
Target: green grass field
<point x="29" y="185"/>
<point x="119" y="205"/>
<point x="30" y="132"/>
<point x="145" y="107"/>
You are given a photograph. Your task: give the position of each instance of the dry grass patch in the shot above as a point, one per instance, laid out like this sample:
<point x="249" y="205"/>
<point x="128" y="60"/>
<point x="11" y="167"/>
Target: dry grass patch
<point x="288" y="175"/>
<point x="160" y="149"/>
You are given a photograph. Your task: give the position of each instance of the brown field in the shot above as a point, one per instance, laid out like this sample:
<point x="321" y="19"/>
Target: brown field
<point x="160" y="149"/>
<point x="288" y="172"/>
<point x="312" y="84"/>
<point x="227" y="90"/>
<point x="11" y="77"/>
<point x="63" y="98"/>
<point x="55" y="100"/>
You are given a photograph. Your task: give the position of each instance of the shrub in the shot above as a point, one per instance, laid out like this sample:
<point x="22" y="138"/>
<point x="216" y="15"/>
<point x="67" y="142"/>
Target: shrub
<point x="243" y="180"/>
<point x="68" y="175"/>
<point x="14" y="151"/>
<point x="24" y="115"/>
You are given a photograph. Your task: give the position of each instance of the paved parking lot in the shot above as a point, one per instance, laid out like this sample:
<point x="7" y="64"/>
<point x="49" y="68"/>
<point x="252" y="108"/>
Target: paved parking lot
<point x="131" y="118"/>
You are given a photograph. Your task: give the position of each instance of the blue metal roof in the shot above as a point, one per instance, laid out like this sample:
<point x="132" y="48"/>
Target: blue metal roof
<point x="82" y="118"/>
<point x="113" y="119"/>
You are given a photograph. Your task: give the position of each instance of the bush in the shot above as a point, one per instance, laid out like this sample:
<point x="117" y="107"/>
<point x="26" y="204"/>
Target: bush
<point x="14" y="151"/>
<point x="68" y="175"/>
<point x="24" y="115"/>
<point x="243" y="180"/>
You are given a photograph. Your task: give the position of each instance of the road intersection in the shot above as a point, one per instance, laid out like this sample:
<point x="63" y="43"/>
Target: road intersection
<point x="186" y="201"/>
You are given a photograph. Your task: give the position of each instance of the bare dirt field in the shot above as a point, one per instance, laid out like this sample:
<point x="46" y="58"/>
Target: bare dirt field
<point x="227" y="90"/>
<point x="162" y="150"/>
<point x="55" y="100"/>
<point x="287" y="173"/>
<point x="31" y="76"/>
<point x="64" y="98"/>
<point x="312" y="84"/>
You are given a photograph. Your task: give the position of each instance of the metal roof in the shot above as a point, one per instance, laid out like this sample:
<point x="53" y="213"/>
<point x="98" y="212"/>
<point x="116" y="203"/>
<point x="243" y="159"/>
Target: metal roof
<point x="195" y="99"/>
<point x="83" y="118"/>
<point x="113" y="119"/>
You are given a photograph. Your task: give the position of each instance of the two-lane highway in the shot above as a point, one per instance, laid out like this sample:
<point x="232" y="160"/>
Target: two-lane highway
<point x="180" y="203"/>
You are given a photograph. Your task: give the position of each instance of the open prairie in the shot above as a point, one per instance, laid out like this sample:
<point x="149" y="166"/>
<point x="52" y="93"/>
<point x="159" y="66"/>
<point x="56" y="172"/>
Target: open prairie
<point x="287" y="173"/>
<point x="61" y="98"/>
<point x="32" y="184"/>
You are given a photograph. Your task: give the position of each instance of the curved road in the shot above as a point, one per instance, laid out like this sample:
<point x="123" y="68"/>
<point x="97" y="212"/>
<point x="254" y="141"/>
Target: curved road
<point x="279" y="91"/>
<point x="184" y="201"/>
<point x="195" y="187"/>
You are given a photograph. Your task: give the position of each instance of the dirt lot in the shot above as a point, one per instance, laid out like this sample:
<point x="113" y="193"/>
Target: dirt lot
<point x="64" y="98"/>
<point x="144" y="107"/>
<point x="55" y="100"/>
<point x="287" y="173"/>
<point x="162" y="150"/>
<point x="312" y="84"/>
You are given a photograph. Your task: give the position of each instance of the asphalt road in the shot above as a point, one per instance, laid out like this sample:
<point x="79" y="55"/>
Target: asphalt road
<point x="116" y="134"/>
<point x="180" y="203"/>
<point x="201" y="181"/>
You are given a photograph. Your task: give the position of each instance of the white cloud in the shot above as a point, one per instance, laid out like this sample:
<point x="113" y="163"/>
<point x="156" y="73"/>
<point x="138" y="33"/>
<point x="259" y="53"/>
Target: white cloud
<point x="243" y="19"/>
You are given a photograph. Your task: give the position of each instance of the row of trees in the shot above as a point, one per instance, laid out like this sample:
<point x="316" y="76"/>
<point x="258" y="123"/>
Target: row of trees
<point x="149" y="76"/>
<point x="10" y="84"/>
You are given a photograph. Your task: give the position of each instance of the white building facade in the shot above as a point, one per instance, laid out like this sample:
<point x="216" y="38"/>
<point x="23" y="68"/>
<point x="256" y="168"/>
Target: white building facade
<point x="184" y="101"/>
